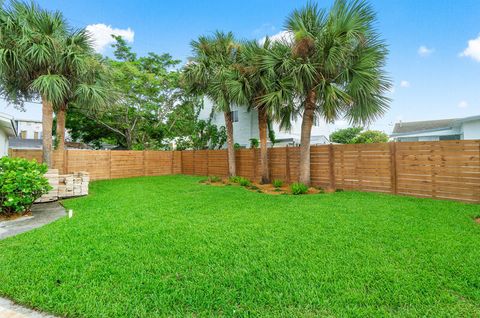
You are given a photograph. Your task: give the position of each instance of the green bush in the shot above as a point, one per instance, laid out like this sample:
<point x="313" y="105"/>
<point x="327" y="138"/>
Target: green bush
<point x="244" y="182"/>
<point x="235" y="179"/>
<point x="277" y="183"/>
<point x="21" y="183"/>
<point x="298" y="188"/>
<point x="215" y="179"/>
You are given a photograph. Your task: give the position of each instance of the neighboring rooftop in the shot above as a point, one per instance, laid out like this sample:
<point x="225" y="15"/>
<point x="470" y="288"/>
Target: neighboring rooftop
<point x="413" y="126"/>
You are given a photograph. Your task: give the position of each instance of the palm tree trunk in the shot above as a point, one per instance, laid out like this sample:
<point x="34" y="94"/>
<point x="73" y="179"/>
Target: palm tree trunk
<point x="61" y="117"/>
<point x="230" y="144"/>
<point x="307" y="123"/>
<point x="47" y="123"/>
<point x="262" y="127"/>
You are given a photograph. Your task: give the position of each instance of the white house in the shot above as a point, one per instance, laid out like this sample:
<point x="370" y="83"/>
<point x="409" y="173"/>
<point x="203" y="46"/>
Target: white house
<point x="432" y="130"/>
<point x="29" y="129"/>
<point x="245" y="127"/>
<point x="7" y="129"/>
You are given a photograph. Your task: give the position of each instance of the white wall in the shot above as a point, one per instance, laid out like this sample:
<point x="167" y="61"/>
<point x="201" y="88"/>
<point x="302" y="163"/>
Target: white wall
<point x="3" y="143"/>
<point x="30" y="127"/>
<point x="471" y="129"/>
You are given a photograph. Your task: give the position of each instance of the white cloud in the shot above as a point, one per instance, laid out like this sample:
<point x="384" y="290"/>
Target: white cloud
<point x="264" y="29"/>
<point x="473" y="49"/>
<point x="405" y="84"/>
<point x="102" y="35"/>
<point x="424" y="51"/>
<point x="282" y="36"/>
<point x="463" y="104"/>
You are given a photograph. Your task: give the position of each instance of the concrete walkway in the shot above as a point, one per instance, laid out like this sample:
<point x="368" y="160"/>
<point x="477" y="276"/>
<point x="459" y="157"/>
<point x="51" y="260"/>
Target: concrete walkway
<point x="42" y="214"/>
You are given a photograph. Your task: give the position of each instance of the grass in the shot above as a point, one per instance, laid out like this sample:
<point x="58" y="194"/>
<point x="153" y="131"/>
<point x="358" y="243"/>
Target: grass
<point x="169" y="246"/>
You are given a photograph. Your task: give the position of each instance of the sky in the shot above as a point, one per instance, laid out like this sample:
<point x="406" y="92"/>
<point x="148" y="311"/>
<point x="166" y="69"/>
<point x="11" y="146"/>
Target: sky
<point x="434" y="59"/>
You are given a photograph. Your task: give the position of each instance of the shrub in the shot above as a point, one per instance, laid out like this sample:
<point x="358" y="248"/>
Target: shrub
<point x="21" y="183"/>
<point x="214" y="179"/>
<point x="298" y="188"/>
<point x="277" y="183"/>
<point x="244" y="182"/>
<point x="235" y="179"/>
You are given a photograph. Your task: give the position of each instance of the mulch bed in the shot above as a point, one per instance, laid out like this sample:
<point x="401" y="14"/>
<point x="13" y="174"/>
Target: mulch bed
<point x="263" y="188"/>
<point x="14" y="216"/>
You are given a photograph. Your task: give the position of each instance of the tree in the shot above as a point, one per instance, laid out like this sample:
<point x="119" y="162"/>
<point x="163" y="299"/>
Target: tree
<point x="32" y="61"/>
<point x="334" y="69"/>
<point x="207" y="75"/>
<point x="371" y="137"/>
<point x="88" y="77"/>
<point x="346" y="135"/>
<point x="248" y="83"/>
<point x="147" y="93"/>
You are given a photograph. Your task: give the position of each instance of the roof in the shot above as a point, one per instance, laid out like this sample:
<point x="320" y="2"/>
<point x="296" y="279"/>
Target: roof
<point x="6" y="122"/>
<point x="415" y="126"/>
<point x="19" y="143"/>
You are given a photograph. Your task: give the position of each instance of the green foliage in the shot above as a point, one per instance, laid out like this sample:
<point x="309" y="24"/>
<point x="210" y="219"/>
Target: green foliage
<point x="254" y="143"/>
<point x="237" y="146"/>
<point x="298" y="188"/>
<point x="277" y="183"/>
<point x="21" y="183"/>
<point x="214" y="179"/>
<point x="355" y="135"/>
<point x="370" y="137"/>
<point x="235" y="179"/>
<point x="346" y="135"/>
<point x="244" y="182"/>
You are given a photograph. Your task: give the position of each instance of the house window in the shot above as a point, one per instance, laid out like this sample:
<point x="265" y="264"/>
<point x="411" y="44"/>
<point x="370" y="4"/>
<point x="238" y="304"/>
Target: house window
<point x="35" y="135"/>
<point x="23" y="134"/>
<point x="450" y="137"/>
<point x="234" y="115"/>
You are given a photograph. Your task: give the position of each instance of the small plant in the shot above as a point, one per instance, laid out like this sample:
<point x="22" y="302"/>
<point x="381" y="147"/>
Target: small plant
<point x="244" y="182"/>
<point x="21" y="183"/>
<point x="339" y="190"/>
<point x="214" y="179"/>
<point x="254" y="187"/>
<point x="298" y="188"/>
<point x="254" y="143"/>
<point x="277" y="183"/>
<point x="235" y="179"/>
<point x="259" y="191"/>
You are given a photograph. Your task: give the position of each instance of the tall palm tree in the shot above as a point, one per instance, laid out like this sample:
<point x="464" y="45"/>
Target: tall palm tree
<point x="334" y="69"/>
<point x="207" y="74"/>
<point x="87" y="76"/>
<point x="31" y="46"/>
<point x="248" y="82"/>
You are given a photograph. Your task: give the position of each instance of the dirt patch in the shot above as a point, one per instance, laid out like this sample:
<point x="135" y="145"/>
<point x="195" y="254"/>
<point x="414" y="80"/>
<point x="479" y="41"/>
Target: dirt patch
<point x="14" y="216"/>
<point x="263" y="188"/>
<point x="477" y="220"/>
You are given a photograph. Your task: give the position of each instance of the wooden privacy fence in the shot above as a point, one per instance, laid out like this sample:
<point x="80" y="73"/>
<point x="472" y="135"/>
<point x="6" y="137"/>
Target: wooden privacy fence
<point x="439" y="169"/>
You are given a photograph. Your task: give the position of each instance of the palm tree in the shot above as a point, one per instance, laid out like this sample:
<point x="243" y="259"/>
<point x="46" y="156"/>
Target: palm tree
<point x="86" y="74"/>
<point x="334" y="69"/>
<point x="30" y="61"/>
<point x="247" y="84"/>
<point x="207" y="74"/>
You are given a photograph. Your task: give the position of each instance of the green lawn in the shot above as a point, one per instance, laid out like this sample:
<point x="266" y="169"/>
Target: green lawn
<point x="169" y="246"/>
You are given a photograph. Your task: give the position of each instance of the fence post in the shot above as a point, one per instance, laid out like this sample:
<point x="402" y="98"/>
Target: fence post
<point x="181" y="161"/>
<point x="287" y="164"/>
<point x="255" y="162"/>
<point x="194" y="162"/>
<point x="393" y="166"/>
<point x="208" y="164"/>
<point x="172" y="162"/>
<point x="144" y="168"/>
<point x="331" y="165"/>
<point x="65" y="161"/>
<point x="109" y="164"/>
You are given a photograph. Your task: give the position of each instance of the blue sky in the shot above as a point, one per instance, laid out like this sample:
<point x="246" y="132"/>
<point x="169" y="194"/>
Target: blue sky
<point x="432" y="79"/>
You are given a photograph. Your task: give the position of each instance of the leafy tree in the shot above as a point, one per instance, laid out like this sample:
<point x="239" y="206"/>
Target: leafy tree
<point x="346" y="135"/>
<point x="332" y="68"/>
<point x="148" y="93"/>
<point x="208" y="74"/>
<point x="370" y="137"/>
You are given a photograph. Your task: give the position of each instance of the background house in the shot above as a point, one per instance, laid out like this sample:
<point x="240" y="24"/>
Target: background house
<point x="432" y="130"/>
<point x="7" y="130"/>
<point x="29" y="129"/>
<point x="245" y="127"/>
